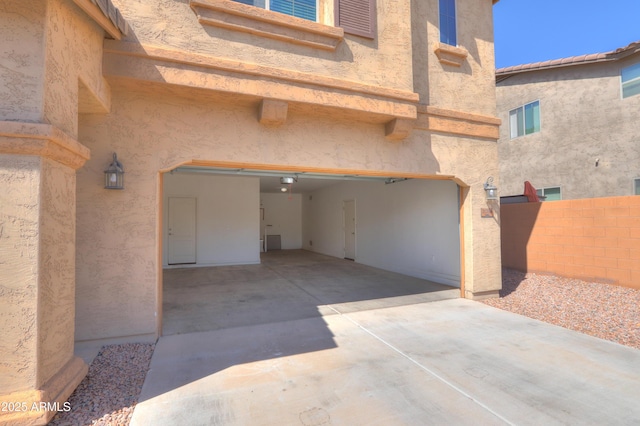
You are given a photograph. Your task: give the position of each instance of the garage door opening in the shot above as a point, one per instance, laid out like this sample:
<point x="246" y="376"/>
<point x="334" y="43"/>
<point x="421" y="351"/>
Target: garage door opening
<point x="261" y="239"/>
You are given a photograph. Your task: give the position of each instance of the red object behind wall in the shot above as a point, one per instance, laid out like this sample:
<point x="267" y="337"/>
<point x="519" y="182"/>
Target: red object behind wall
<point x="530" y="192"/>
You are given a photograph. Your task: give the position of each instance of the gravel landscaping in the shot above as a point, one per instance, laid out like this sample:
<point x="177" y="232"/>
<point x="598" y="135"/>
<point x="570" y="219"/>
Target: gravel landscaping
<point x="602" y="310"/>
<point x="109" y="393"/>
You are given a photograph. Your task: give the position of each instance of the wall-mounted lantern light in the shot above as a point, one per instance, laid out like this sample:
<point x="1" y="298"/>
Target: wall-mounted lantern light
<point x="114" y="175"/>
<point x="490" y="190"/>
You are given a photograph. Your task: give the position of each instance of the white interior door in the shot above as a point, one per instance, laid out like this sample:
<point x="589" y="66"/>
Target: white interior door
<point x="349" y="209"/>
<point x="182" y="230"/>
<point x="263" y="231"/>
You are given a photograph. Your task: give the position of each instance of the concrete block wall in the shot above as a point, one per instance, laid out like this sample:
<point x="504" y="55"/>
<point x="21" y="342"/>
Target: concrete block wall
<point x="592" y="239"/>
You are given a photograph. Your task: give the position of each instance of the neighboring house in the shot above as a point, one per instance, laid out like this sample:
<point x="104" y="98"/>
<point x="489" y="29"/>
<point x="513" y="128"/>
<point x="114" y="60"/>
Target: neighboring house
<point x="204" y="101"/>
<point x="570" y="126"/>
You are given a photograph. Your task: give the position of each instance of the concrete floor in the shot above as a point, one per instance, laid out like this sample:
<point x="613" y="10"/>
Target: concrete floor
<point x="380" y="360"/>
<point x="287" y="285"/>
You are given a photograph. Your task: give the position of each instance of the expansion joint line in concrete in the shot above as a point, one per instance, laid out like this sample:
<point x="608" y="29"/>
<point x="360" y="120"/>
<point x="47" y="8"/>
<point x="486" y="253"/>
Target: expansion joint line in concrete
<point x="422" y="367"/>
<point x="401" y="353"/>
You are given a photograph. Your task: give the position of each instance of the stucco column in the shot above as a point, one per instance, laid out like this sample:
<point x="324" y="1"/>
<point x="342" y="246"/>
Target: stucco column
<point x="482" y="255"/>
<point x="38" y="370"/>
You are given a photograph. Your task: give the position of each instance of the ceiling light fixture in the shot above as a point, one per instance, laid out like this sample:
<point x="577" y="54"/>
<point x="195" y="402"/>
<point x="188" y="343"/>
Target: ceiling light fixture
<point x="288" y="180"/>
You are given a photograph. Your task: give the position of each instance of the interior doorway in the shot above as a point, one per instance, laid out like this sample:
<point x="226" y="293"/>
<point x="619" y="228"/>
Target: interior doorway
<point x="349" y="209"/>
<point x="182" y="230"/>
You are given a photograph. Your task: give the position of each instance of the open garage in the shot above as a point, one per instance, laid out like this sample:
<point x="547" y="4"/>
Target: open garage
<point x="249" y="246"/>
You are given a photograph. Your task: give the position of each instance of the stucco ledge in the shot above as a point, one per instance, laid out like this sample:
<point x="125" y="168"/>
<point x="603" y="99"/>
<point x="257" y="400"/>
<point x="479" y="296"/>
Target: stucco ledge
<point x="237" y="16"/>
<point x="450" y="55"/>
<point x="43" y="140"/>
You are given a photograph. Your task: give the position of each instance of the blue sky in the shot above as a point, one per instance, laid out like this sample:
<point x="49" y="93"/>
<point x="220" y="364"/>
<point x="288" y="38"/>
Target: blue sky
<point x="529" y="31"/>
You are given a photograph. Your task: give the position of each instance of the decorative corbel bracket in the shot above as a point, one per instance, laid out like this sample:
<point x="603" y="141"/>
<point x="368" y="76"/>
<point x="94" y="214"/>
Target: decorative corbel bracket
<point x="272" y="112"/>
<point x="398" y="129"/>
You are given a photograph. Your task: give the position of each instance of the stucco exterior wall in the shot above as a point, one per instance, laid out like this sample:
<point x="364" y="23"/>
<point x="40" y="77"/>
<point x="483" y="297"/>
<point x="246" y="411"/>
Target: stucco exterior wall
<point x="177" y="115"/>
<point x="73" y="57"/>
<point x="19" y="245"/>
<point x="179" y="91"/>
<point x="154" y="131"/>
<point x="37" y="242"/>
<point x="22" y="42"/>
<point x="49" y="47"/>
<point x="56" y="268"/>
<point x="472" y="161"/>
<point x="588" y="142"/>
<point x="151" y="132"/>
<point x="385" y="61"/>
<point x="469" y="86"/>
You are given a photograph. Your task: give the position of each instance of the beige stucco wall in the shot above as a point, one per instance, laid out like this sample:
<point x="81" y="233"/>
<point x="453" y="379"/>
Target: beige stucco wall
<point x="56" y="267"/>
<point x="47" y="47"/>
<point x="470" y="86"/>
<point x="118" y="243"/>
<point x="472" y="161"/>
<point x="37" y="255"/>
<point x="19" y="245"/>
<point x="58" y="48"/>
<point x="21" y="53"/>
<point x="385" y="61"/>
<point x="583" y="119"/>
<point x="152" y="131"/>
<point x="154" y="126"/>
<point x="37" y="274"/>
<point x="73" y="57"/>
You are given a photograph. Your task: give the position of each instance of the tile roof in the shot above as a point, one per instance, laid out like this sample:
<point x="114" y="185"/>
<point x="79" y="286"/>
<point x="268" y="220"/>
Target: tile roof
<point x="614" y="55"/>
<point x="112" y="12"/>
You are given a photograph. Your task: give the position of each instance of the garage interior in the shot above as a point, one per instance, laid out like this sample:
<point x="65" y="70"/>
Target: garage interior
<point x="244" y="247"/>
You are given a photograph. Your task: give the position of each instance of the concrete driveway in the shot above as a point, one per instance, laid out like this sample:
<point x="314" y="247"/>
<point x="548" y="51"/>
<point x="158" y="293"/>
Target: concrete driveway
<point x="443" y="362"/>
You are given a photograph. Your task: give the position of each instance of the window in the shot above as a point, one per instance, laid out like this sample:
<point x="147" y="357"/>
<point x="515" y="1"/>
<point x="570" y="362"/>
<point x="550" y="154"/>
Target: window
<point x="630" y="78"/>
<point x="550" y="194"/>
<point x="525" y="120"/>
<point x="636" y="186"/>
<point x="305" y="9"/>
<point x="448" y="22"/>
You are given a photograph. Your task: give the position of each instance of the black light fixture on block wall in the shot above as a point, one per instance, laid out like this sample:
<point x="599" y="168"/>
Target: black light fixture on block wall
<point x="114" y="175"/>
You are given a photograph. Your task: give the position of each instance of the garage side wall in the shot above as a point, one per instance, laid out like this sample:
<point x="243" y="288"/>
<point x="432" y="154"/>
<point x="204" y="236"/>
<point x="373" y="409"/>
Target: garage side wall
<point x="227" y="225"/>
<point x="409" y="227"/>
